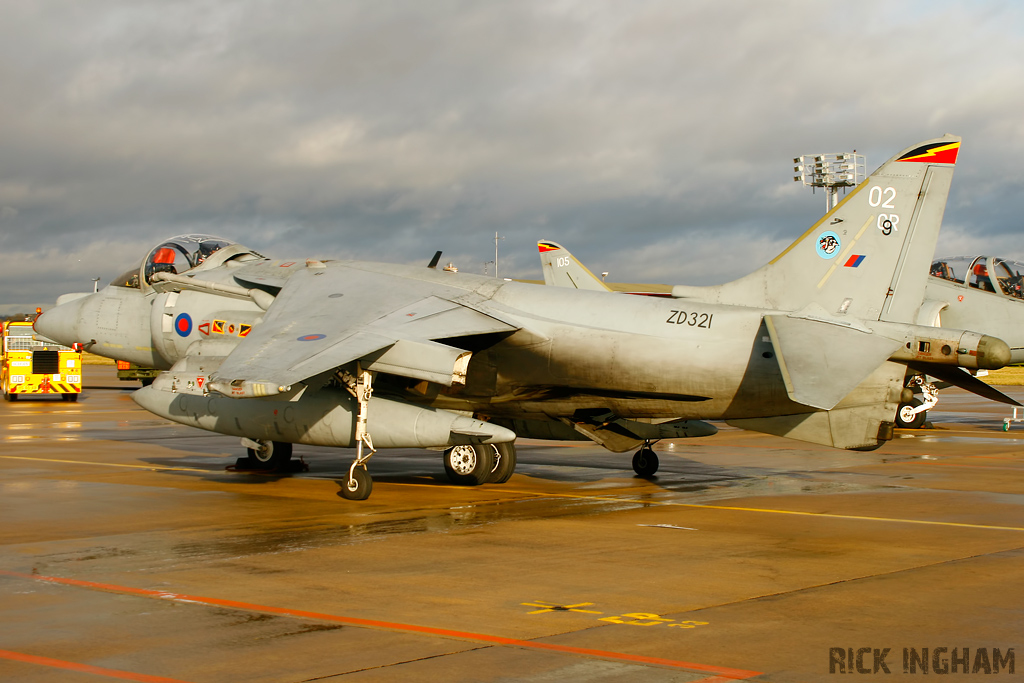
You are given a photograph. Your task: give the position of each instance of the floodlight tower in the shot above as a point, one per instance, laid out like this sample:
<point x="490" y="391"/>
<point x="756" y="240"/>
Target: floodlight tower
<point x="830" y="171"/>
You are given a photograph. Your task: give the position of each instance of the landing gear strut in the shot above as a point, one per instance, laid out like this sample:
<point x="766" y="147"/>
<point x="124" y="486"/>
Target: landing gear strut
<point x="912" y="415"/>
<point x="645" y="461"/>
<point x="359" y="483"/>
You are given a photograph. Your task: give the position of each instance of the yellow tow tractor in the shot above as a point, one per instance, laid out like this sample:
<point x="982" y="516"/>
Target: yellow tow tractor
<point x="34" y="365"/>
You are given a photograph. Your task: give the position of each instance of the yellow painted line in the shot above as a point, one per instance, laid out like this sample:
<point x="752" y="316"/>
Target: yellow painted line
<point x="108" y="464"/>
<point x="824" y="515"/>
<point x="606" y="499"/>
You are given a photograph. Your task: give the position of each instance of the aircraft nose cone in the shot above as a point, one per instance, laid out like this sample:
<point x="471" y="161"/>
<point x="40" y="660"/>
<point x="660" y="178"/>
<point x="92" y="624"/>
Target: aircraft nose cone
<point x="60" y="323"/>
<point x="993" y="353"/>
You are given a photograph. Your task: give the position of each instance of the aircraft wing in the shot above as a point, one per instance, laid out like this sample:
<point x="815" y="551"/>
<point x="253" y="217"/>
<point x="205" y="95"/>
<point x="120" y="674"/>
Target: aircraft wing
<point x="325" y="317"/>
<point x="822" y="361"/>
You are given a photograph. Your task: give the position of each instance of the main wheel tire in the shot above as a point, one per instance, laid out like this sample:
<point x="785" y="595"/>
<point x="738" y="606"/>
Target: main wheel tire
<point x="645" y="462"/>
<point x="906" y="420"/>
<point x="469" y="465"/>
<point x="274" y="455"/>
<point x="505" y="465"/>
<point x="146" y="381"/>
<point x="359" y="486"/>
<point x="70" y="398"/>
<point x="10" y="397"/>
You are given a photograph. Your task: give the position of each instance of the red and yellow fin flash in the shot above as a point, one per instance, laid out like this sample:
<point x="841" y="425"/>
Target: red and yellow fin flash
<point x="546" y="246"/>
<point x="935" y="153"/>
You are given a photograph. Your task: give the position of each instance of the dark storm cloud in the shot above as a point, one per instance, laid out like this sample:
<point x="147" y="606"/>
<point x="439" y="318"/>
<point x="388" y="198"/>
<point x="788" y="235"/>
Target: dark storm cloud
<point x="652" y="138"/>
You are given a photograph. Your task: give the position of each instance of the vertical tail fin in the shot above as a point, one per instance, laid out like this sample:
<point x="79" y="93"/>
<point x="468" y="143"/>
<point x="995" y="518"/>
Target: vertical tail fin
<point x="866" y="258"/>
<point x="563" y="270"/>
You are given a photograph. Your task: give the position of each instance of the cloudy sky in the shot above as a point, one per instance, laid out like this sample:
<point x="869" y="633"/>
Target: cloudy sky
<point x="654" y="139"/>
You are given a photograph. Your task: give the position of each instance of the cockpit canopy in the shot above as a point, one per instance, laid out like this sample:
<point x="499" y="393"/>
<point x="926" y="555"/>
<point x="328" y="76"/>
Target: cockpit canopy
<point x="181" y="254"/>
<point x="987" y="273"/>
<point x="177" y="255"/>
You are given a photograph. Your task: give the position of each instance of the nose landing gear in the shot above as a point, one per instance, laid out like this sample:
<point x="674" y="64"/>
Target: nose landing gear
<point x="359" y="484"/>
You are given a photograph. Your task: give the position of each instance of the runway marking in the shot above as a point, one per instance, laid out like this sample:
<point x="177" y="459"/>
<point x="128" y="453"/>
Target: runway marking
<point x="85" y="668"/>
<point x="628" y="618"/>
<point x="153" y="468"/>
<point x="545" y="608"/>
<point x="954" y="464"/>
<point x="718" y="671"/>
<point x="610" y="499"/>
<point x="826" y="515"/>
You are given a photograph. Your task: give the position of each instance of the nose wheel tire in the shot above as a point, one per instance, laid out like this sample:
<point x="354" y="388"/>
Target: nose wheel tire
<point x="469" y="465"/>
<point x="271" y="455"/>
<point x="358" y="486"/>
<point x="645" y="462"/>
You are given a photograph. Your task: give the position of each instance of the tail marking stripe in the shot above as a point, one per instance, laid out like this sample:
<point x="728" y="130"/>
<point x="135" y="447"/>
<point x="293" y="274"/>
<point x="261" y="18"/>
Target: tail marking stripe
<point x="846" y="252"/>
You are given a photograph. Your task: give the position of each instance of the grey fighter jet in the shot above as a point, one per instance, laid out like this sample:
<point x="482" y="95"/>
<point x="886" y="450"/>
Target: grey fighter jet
<point x="978" y="292"/>
<point x="815" y="346"/>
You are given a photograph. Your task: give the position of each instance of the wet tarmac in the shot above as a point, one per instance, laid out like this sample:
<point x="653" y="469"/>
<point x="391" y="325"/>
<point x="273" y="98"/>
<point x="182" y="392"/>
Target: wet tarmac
<point x="129" y="551"/>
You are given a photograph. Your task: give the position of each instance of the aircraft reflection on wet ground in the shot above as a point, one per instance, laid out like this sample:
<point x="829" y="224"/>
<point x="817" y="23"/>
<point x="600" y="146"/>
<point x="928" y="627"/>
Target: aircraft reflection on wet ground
<point x="735" y="559"/>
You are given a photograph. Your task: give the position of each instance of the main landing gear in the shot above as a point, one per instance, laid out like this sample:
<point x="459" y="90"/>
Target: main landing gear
<point x="645" y="461"/>
<point x="472" y="465"/>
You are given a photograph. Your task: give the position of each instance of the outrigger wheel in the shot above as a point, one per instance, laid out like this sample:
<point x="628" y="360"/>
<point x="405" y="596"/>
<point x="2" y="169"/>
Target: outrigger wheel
<point x="271" y="455"/>
<point x="906" y="418"/>
<point x="359" y="484"/>
<point x="645" y="461"/>
<point x="468" y="465"/>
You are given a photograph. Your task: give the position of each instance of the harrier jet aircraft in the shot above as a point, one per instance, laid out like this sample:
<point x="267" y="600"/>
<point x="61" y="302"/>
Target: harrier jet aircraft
<point x="377" y="355"/>
<point x="977" y="292"/>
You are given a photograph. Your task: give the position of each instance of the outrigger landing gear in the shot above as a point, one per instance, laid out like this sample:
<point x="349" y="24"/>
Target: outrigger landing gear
<point x="359" y="483"/>
<point x="912" y="415"/>
<point x="645" y="461"/>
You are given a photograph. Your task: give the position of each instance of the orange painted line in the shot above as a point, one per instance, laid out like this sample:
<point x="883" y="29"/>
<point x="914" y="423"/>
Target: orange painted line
<point x="85" y="668"/>
<point x="718" y="671"/>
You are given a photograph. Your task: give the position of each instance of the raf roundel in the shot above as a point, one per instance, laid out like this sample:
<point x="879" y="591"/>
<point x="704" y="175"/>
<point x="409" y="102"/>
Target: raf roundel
<point x="828" y="245"/>
<point x="183" y="325"/>
<point x="311" y="337"/>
